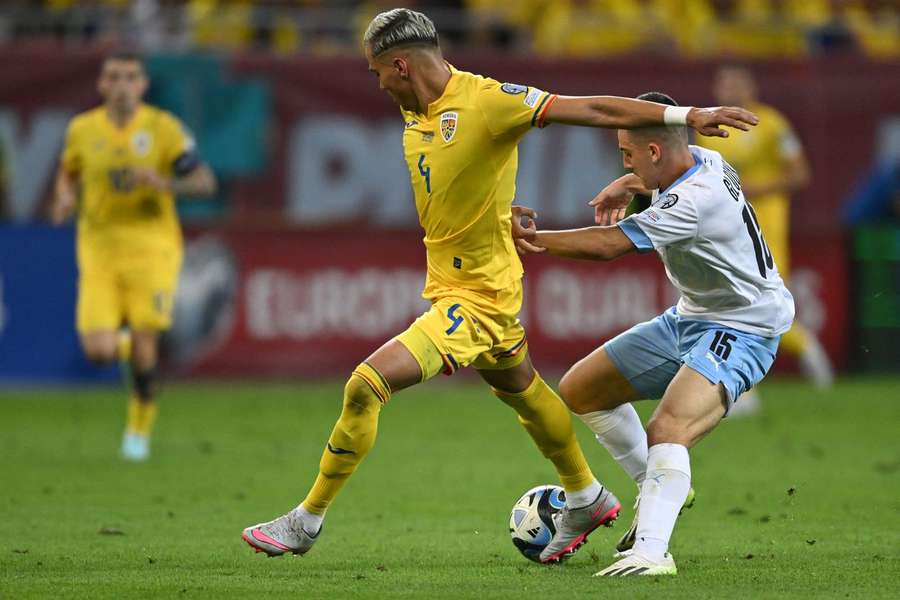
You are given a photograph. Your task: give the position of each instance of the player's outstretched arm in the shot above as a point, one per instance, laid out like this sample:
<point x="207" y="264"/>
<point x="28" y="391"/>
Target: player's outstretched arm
<point x="589" y="243"/>
<point x="613" y="112"/>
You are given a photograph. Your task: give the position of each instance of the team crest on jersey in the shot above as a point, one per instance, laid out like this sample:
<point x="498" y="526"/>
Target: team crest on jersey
<point x="141" y="142"/>
<point x="669" y="201"/>
<point x="449" y="122"/>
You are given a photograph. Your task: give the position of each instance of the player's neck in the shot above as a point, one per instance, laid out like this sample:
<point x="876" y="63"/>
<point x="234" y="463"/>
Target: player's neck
<point x="119" y="117"/>
<point x="680" y="163"/>
<point x="434" y="76"/>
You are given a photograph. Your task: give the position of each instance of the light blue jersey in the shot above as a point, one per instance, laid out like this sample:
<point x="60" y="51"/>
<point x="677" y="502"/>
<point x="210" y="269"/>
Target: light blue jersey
<point x="734" y="306"/>
<point x="709" y="240"/>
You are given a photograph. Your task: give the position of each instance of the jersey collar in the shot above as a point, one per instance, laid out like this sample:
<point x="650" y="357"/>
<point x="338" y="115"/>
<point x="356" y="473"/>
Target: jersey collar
<point x="131" y="124"/>
<point x="685" y="175"/>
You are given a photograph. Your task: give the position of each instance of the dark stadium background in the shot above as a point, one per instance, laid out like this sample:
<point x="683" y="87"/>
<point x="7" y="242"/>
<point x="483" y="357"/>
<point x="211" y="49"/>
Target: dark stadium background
<point x="309" y="256"/>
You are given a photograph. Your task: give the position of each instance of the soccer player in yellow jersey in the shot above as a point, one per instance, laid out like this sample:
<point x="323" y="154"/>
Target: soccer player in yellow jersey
<point x="121" y="167"/>
<point x="772" y="165"/>
<point x="460" y="137"/>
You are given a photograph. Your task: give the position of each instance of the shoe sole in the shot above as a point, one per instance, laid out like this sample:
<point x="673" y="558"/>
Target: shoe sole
<point x="569" y="550"/>
<point x="641" y="572"/>
<point x="259" y="545"/>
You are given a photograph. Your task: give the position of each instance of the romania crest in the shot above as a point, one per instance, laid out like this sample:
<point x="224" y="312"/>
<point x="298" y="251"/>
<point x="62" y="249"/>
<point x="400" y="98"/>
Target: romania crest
<point x="141" y="142"/>
<point x="449" y="121"/>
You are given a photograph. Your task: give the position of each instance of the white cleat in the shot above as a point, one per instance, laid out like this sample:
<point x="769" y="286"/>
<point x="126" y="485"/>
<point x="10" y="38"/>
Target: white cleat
<point x="635" y="564"/>
<point x="135" y="447"/>
<point x="626" y="542"/>
<point x="281" y="536"/>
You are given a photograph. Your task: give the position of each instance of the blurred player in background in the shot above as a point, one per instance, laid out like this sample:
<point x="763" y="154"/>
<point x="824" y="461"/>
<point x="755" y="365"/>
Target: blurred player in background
<point x="461" y="133"/>
<point x="773" y="166"/>
<point x="122" y="166"/>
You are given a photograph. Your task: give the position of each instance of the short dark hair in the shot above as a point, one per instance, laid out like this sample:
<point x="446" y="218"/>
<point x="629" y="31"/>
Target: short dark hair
<point x="670" y="133"/>
<point x="125" y="56"/>
<point x="658" y="97"/>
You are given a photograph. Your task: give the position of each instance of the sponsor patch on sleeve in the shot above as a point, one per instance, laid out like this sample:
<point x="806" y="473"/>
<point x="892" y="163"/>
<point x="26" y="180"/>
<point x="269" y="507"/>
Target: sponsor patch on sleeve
<point x="532" y="97"/>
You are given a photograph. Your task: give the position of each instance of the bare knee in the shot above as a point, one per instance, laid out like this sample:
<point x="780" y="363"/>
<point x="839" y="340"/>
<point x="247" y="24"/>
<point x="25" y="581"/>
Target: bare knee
<point x="573" y="394"/>
<point x="100" y="351"/>
<point x="582" y="397"/>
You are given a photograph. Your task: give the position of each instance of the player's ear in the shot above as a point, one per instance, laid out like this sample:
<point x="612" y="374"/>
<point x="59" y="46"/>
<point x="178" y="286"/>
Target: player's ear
<point x="401" y="65"/>
<point x="655" y="152"/>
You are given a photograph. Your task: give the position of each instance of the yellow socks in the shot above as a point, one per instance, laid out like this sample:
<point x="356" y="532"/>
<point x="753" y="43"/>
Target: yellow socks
<point x="795" y="341"/>
<point x="141" y="417"/>
<point x="549" y="423"/>
<point x="123" y="346"/>
<point x="352" y="438"/>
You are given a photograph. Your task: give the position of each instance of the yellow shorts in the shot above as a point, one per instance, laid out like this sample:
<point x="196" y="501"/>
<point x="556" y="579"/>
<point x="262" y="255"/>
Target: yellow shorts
<point x="139" y="293"/>
<point x="774" y="216"/>
<point x="464" y="327"/>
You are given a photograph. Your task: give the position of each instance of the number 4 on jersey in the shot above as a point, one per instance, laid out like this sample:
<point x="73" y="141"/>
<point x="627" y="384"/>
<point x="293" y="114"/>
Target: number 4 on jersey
<point x="425" y="172"/>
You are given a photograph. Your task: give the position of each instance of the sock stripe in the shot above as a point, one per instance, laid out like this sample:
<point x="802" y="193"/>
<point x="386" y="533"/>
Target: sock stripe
<point x="375" y="387"/>
<point x="380" y="377"/>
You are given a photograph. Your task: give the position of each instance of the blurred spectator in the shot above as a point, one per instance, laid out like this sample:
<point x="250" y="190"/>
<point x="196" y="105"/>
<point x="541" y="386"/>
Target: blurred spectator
<point x="745" y="28"/>
<point x="878" y="196"/>
<point x="761" y="28"/>
<point x="595" y="27"/>
<point x="691" y="23"/>
<point x="876" y="25"/>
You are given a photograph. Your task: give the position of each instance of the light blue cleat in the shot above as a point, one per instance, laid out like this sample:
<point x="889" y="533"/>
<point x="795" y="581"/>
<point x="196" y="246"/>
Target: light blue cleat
<point x="135" y="447"/>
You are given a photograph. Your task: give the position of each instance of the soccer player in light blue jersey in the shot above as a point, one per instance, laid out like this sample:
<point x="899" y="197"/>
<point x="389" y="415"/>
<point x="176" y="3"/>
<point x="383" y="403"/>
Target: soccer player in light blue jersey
<point x="698" y="357"/>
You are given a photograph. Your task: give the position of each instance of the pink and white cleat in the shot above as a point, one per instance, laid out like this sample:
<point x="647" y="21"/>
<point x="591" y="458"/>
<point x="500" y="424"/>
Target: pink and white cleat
<point x="573" y="525"/>
<point x="280" y="536"/>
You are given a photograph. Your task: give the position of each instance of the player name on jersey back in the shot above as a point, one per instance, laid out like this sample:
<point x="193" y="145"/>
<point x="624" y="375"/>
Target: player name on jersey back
<point x="714" y="252"/>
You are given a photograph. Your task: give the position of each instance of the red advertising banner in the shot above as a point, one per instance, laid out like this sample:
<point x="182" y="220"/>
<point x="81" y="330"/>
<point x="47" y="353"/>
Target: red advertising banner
<point x="313" y="303"/>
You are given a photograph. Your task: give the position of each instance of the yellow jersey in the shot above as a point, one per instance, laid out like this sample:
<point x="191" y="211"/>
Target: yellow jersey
<point x="462" y="158"/>
<point x="115" y="215"/>
<point x="758" y="155"/>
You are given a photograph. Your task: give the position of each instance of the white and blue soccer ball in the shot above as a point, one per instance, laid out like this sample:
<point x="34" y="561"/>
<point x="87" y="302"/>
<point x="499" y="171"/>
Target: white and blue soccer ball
<point x="531" y="523"/>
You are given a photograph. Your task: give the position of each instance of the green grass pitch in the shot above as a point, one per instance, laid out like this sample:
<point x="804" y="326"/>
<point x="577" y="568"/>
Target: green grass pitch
<point x="802" y="501"/>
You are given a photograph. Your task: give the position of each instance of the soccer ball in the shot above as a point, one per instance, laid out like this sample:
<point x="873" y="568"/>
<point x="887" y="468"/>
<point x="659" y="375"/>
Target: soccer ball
<point x="531" y="521"/>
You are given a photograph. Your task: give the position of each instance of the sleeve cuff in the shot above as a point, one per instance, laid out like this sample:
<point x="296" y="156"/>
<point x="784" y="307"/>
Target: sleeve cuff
<point x="185" y="163"/>
<point x="537" y="118"/>
<point x="637" y="236"/>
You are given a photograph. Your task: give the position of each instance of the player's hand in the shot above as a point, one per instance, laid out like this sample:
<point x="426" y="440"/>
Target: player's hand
<point x="610" y="204"/>
<point x="149" y="177"/>
<point x="62" y="208"/>
<point x="524" y="234"/>
<point x="708" y="121"/>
